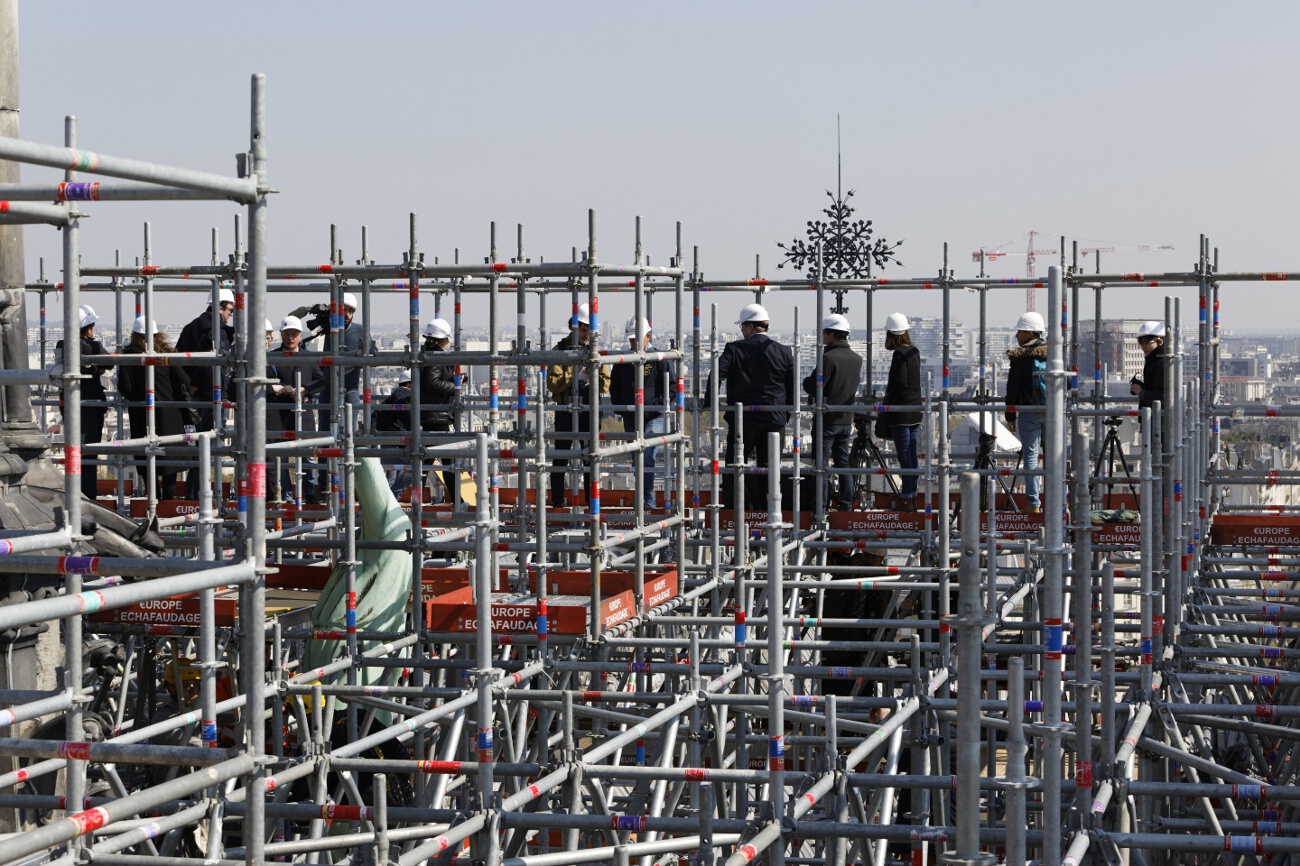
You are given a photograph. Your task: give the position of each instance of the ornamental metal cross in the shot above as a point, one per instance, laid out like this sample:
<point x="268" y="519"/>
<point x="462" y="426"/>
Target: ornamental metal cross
<point x="847" y="247"/>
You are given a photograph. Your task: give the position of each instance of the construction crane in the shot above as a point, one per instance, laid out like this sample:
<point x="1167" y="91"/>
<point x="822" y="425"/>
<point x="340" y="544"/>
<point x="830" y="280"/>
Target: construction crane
<point x="1031" y="252"/>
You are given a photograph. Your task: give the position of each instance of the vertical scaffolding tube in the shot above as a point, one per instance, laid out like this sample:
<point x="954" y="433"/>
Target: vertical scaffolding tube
<point x="969" y="637"/>
<point x="76" y="769"/>
<point x="1054" y="496"/>
<point x="775" y="648"/>
<point x="485" y="579"/>
<point x="253" y="657"/>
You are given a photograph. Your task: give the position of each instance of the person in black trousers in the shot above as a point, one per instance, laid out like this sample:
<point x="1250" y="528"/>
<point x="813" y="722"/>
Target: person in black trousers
<point x="841" y="376"/>
<point x="197" y="336"/>
<point x="566" y="382"/>
<point x="759" y="372"/>
<point x="437" y="395"/>
<point x="290" y="387"/>
<point x="1150" y="389"/>
<point x="170" y="384"/>
<point x="92" y="391"/>
<point x="903" y="389"/>
<point x="394" y="416"/>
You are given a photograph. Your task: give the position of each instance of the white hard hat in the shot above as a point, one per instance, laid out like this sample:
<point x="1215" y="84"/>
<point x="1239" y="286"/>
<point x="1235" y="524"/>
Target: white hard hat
<point x="836" y="322"/>
<point x="631" y="330"/>
<point x="225" y="296"/>
<point x="86" y="316"/>
<point x="291" y="323"/>
<point x="896" y="323"/>
<point x="753" y="313"/>
<point x="1151" y="329"/>
<point x="438" y="329"/>
<point x="404" y="376"/>
<point x="584" y="315"/>
<point x="1031" y="321"/>
<point x="349" y="300"/>
<point x="269" y="326"/>
<point x="137" y="327"/>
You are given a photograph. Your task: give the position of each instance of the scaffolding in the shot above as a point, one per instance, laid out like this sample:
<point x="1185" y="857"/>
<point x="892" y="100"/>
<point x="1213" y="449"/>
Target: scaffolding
<point x="602" y="681"/>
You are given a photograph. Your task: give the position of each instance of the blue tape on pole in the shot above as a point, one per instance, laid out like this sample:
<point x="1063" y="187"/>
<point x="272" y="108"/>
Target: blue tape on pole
<point x="209" y="732"/>
<point x="352" y="618"/>
<point x="1054" y="641"/>
<point x="485" y="740"/>
<point x="776" y="747"/>
<point x="1033" y="706"/>
<point x="541" y="625"/>
<point x="640" y="753"/>
<point x="740" y="635"/>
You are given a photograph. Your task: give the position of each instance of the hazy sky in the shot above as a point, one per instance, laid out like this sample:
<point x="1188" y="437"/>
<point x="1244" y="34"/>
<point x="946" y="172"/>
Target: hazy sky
<point x="962" y="122"/>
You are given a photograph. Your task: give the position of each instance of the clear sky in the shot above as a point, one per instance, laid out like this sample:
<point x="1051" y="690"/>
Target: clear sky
<point x="966" y="123"/>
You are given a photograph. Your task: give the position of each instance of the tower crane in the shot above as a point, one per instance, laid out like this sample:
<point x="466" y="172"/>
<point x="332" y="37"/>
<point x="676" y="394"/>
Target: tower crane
<point x="1031" y="252"/>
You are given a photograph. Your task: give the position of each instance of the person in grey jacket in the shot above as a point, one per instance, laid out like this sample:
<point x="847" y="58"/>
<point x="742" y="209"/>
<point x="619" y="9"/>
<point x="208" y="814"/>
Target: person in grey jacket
<point x="841" y="377"/>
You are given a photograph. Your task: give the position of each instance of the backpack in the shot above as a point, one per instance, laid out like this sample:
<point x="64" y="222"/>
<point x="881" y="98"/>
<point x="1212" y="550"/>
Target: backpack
<point x="1039" y="378"/>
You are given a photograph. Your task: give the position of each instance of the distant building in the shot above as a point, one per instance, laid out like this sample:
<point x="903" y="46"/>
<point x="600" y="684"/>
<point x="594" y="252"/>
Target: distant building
<point x="1121" y="356"/>
<point x="1243" y="389"/>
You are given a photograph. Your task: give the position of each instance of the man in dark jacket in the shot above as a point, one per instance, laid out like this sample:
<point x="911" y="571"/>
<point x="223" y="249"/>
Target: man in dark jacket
<point x="92" y="391"/>
<point x="759" y="372"/>
<point x="1150" y="389"/>
<point x="622" y="392"/>
<point x="570" y="388"/>
<point x="394" y="416"/>
<point x="350" y="344"/>
<point x="437" y="393"/>
<point x="292" y="387"/>
<point x="207" y="384"/>
<point x="1026" y="386"/>
<point x="841" y="376"/>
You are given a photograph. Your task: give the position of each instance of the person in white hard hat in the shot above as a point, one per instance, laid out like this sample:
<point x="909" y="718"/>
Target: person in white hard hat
<point x="1027" y="386"/>
<point x="903" y="389"/>
<point x="1150" y="389"/>
<point x="394" y="416"/>
<point x="622" y="392"/>
<point x="759" y="372"/>
<point x="438" y="395"/>
<point x="570" y="387"/>
<point x="350" y="344"/>
<point x="92" y="391"/>
<point x="208" y="332"/>
<point x="291" y="387"/>
<point x="270" y="334"/>
<point x="841" y="377"/>
<point x="171" y="386"/>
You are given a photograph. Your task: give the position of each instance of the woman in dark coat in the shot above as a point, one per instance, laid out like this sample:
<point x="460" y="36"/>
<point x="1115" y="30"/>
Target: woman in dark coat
<point x="903" y="389"/>
<point x="170" y="385"/>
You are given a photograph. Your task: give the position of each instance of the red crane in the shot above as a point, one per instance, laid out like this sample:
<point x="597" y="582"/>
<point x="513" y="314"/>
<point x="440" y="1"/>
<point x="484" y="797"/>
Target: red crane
<point x="1031" y="252"/>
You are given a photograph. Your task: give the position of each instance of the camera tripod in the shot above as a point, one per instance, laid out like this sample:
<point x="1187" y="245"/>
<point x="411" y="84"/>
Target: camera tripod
<point x="984" y="460"/>
<point x="865" y="452"/>
<point x="1110" y="451"/>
